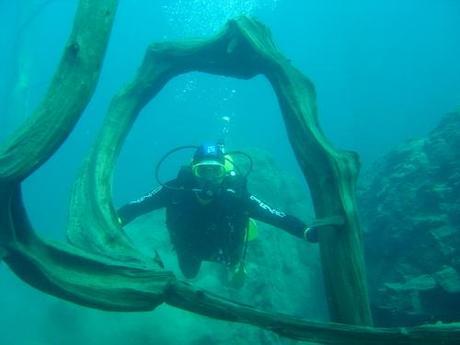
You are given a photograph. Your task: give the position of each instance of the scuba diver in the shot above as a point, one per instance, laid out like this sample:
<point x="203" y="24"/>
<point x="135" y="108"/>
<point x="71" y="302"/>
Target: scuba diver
<point x="208" y="211"/>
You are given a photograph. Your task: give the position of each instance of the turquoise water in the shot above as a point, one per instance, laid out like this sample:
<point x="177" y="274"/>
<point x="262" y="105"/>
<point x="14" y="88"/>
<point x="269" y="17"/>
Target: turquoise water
<point x="384" y="72"/>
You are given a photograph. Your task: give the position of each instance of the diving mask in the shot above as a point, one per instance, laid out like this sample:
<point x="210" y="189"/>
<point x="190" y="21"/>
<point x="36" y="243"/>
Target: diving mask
<point x="211" y="171"/>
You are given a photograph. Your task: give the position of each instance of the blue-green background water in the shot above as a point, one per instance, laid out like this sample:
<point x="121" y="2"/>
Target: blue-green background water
<point x="384" y="71"/>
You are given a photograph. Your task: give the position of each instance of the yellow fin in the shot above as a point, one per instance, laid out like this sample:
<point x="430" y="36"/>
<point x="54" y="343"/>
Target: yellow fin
<point x="251" y="230"/>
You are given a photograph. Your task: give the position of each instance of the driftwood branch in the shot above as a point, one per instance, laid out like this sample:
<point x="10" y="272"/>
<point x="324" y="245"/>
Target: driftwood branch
<point x="69" y="93"/>
<point x="186" y="297"/>
<point x="242" y="50"/>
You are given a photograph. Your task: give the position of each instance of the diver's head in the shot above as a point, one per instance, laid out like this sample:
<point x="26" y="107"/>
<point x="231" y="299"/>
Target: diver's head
<point x="208" y="164"/>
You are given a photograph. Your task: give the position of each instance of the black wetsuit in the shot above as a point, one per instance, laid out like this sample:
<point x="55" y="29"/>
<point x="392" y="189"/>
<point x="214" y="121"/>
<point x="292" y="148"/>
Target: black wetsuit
<point x="213" y="231"/>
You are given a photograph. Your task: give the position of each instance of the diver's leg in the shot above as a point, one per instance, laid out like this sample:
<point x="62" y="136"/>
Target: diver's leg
<point x="236" y="271"/>
<point x="189" y="264"/>
<point x="235" y="251"/>
<point x="189" y="261"/>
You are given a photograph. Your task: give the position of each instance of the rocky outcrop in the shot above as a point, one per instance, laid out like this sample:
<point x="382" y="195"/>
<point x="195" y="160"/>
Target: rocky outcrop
<point x="410" y="206"/>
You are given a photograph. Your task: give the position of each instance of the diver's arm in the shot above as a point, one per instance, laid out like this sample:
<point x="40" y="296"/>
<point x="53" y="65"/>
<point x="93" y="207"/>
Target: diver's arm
<point x="156" y="199"/>
<point x="261" y="211"/>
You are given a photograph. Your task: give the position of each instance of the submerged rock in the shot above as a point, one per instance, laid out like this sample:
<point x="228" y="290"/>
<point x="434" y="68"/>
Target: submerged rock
<point x="410" y="208"/>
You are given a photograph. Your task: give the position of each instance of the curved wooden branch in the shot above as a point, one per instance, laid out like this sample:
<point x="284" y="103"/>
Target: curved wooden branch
<point x="70" y="91"/>
<point x="74" y="274"/>
<point x="243" y="49"/>
<point x="186" y="297"/>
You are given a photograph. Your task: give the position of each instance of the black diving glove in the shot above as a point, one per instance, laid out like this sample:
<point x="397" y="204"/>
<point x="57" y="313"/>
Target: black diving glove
<point x="311" y="234"/>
